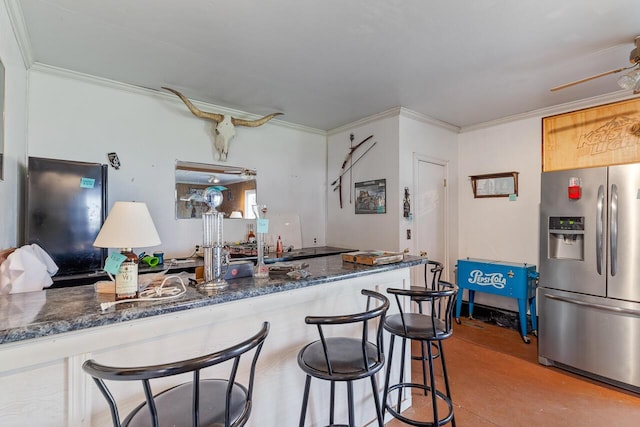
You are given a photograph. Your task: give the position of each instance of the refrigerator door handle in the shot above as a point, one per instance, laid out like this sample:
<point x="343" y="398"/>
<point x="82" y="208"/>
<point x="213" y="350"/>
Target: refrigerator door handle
<point x="613" y="229"/>
<point x="617" y="310"/>
<point x="599" y="229"/>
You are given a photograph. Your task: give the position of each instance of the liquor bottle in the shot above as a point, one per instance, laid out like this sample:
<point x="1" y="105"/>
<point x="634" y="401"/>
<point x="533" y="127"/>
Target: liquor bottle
<point x="251" y="237"/>
<point x="279" y="247"/>
<point x="127" y="277"/>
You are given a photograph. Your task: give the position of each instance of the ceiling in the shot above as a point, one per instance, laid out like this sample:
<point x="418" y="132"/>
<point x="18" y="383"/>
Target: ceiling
<point x="328" y="63"/>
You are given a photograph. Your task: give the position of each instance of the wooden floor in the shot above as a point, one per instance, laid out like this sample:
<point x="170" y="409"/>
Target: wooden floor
<point x="496" y="381"/>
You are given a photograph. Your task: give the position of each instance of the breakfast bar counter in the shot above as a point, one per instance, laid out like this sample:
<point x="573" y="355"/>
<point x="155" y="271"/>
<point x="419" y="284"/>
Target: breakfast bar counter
<point x="46" y="336"/>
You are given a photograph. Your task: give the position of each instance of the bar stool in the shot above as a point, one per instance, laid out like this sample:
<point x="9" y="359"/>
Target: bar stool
<point x="222" y="402"/>
<point x="435" y="268"/>
<point x="431" y="280"/>
<point x="343" y="359"/>
<point x="426" y="328"/>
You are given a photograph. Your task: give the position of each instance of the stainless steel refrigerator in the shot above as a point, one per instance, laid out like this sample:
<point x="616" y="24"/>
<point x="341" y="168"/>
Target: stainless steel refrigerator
<point x="66" y="206"/>
<point x="589" y="291"/>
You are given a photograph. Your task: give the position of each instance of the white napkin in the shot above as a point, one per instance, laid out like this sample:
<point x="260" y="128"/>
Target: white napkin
<point x="28" y="269"/>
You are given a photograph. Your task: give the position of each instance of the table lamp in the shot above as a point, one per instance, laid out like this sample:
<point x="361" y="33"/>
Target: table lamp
<point x="128" y="225"/>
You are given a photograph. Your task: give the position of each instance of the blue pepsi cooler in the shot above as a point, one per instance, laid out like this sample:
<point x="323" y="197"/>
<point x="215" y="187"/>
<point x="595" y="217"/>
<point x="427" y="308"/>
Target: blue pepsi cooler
<point x="508" y="279"/>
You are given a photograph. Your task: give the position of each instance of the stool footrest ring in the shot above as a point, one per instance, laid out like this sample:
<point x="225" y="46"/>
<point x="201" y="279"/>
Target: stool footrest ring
<point x="418" y="423"/>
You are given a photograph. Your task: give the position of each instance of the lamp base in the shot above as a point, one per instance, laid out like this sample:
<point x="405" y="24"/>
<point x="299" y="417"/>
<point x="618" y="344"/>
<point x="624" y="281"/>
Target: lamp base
<point x="214" y="284"/>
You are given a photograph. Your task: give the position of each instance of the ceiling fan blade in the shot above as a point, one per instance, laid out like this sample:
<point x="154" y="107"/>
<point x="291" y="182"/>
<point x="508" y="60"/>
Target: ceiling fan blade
<point x="586" y="79"/>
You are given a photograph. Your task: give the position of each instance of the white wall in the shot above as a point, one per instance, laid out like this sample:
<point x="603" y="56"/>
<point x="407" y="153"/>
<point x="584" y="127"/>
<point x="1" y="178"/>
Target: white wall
<point x="400" y="134"/>
<point x="496" y="228"/>
<point x="364" y="231"/>
<point x="15" y="136"/>
<point x="438" y="142"/>
<point x="81" y="118"/>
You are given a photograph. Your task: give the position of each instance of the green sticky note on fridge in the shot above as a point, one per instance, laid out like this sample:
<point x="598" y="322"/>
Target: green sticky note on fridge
<point x="87" y="182"/>
<point x="262" y="225"/>
<point x="113" y="262"/>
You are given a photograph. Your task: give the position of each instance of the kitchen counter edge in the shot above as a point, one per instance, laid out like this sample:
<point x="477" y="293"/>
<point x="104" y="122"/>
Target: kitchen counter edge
<point x="55" y="311"/>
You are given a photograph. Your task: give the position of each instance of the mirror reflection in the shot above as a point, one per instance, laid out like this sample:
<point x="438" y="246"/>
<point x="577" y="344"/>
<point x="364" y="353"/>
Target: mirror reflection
<point x="237" y="184"/>
<point x="1" y="121"/>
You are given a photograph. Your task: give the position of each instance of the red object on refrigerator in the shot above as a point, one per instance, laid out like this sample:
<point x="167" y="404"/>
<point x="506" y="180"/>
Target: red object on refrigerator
<point x="575" y="188"/>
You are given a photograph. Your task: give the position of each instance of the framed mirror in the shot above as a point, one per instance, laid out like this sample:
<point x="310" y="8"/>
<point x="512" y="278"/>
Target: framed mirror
<point x="237" y="184"/>
<point x="1" y="121"/>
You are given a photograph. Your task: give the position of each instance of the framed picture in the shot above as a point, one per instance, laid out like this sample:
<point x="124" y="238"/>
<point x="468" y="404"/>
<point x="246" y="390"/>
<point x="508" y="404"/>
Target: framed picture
<point x="495" y="185"/>
<point x="371" y="197"/>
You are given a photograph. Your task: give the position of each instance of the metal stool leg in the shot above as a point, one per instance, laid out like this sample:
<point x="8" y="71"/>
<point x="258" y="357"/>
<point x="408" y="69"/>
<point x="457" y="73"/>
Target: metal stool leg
<point x="424" y="367"/>
<point x="350" y="399"/>
<point x="432" y="384"/>
<point x="446" y="383"/>
<point x="404" y="347"/>
<point x="305" y="400"/>
<point x="376" y="400"/>
<point x="388" y="376"/>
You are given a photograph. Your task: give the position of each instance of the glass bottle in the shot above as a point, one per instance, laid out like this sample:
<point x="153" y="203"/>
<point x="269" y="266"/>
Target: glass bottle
<point x="279" y="248"/>
<point x="251" y="237"/>
<point x="127" y="276"/>
<point x="261" y="271"/>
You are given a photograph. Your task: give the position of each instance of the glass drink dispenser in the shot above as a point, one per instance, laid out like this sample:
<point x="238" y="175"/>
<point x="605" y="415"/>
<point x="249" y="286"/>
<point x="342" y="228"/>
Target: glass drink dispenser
<point x="566" y="237"/>
<point x="213" y="242"/>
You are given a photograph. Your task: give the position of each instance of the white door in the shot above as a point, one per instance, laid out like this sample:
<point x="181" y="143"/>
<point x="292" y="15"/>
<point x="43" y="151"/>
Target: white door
<point x="430" y="221"/>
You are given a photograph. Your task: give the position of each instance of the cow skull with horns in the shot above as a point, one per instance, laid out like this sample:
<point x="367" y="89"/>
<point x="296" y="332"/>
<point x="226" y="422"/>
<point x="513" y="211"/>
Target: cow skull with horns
<point x="225" y="125"/>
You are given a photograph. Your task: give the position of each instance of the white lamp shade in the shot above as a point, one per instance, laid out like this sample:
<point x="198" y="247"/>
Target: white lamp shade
<point x="128" y="225"/>
<point x="236" y="214"/>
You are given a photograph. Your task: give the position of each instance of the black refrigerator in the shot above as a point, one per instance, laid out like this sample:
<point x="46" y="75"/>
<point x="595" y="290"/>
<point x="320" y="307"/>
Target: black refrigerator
<point x="66" y="206"/>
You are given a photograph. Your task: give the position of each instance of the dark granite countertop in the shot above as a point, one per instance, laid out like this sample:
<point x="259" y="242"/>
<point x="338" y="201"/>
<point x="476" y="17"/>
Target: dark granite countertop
<point x="54" y="311"/>
<point x="189" y="264"/>
<point x="298" y="254"/>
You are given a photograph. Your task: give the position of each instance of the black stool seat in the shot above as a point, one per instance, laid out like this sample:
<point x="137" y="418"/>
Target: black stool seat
<point x="346" y="359"/>
<point x="174" y="405"/>
<point x="418" y="327"/>
<point x="206" y="402"/>
<point x="428" y="329"/>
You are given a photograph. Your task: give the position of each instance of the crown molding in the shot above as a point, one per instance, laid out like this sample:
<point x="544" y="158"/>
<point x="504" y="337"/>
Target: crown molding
<point x="414" y="115"/>
<point x="393" y="112"/>
<point x="139" y="90"/>
<point x="620" y="95"/>
<point x="14" y="10"/>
